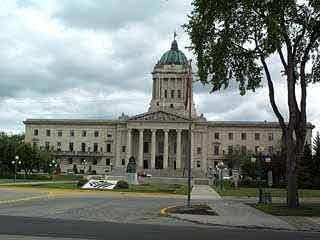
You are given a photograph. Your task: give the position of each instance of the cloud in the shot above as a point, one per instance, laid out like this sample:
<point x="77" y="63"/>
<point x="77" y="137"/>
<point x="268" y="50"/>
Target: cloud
<point x="93" y="59"/>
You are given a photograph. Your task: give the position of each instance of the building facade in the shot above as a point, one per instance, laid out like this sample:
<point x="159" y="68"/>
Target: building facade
<point x="157" y="139"/>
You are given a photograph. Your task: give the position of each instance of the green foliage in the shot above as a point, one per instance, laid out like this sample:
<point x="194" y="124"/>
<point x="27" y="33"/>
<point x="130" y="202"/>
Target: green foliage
<point x="306" y="169"/>
<point x="32" y="158"/>
<point x="81" y="182"/>
<point x="122" y="185"/>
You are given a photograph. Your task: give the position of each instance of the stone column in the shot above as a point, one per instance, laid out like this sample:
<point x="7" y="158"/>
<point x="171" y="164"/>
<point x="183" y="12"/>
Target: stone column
<point x="153" y="148"/>
<point x="118" y="148"/>
<point x="140" y="158"/>
<point x="178" y="151"/>
<point x="165" y="151"/>
<point x="129" y="154"/>
<point x="204" y="151"/>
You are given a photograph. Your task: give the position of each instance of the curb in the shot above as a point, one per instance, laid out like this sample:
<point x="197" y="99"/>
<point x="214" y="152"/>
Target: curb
<point x="165" y="213"/>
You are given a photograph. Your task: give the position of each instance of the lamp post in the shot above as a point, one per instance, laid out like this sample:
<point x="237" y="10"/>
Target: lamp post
<point x="220" y="166"/>
<point x="16" y="162"/>
<point x="84" y="162"/>
<point x="52" y="165"/>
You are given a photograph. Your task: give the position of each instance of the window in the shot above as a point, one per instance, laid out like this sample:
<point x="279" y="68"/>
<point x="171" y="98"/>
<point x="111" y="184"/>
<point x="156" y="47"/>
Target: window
<point x="123" y="149"/>
<point x="198" y="164"/>
<point x="71" y="133"/>
<point x="71" y="147"/>
<point x="95" y="147"/>
<point x="35" y="132"/>
<point x="257" y="136"/>
<point x="123" y="162"/>
<point x="198" y="150"/>
<point x="216" y="150"/>
<point x="145" y="147"/>
<point x="216" y="135"/>
<point x="171" y="105"/>
<point x="58" y="146"/>
<point x="230" y="136"/>
<point x="165" y="93"/>
<point x="48" y="133"/>
<point x="243" y="136"/>
<point x="96" y="133"/>
<point x="109" y="135"/>
<point x="175" y="148"/>
<point x="59" y="133"/>
<point x="108" y="162"/>
<point x="108" y="147"/>
<point x="172" y="93"/>
<point x="95" y="161"/>
<point x="179" y="93"/>
<point x="84" y="133"/>
<point x="70" y="160"/>
<point x="243" y="149"/>
<point x="83" y="147"/>
<point x="270" y="136"/>
<point x="230" y="149"/>
<point x="47" y="146"/>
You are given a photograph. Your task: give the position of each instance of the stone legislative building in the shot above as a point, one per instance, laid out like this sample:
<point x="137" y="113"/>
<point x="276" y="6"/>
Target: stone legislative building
<point x="158" y="138"/>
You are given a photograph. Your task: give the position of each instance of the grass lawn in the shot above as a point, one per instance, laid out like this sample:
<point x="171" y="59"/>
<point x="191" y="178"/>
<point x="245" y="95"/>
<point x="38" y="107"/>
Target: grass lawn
<point x="143" y="188"/>
<point x="156" y="188"/>
<point x="56" y="185"/>
<point x="275" y="192"/>
<point x="277" y="209"/>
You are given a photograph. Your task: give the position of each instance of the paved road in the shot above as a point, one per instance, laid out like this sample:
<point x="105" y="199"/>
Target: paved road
<point x="78" y="229"/>
<point x="100" y="215"/>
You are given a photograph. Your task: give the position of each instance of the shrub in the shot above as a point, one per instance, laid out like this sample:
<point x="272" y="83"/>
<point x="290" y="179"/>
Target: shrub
<point x="81" y="182"/>
<point x="122" y="185"/>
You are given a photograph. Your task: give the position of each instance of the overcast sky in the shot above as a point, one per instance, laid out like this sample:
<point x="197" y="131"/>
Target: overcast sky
<point x="93" y="59"/>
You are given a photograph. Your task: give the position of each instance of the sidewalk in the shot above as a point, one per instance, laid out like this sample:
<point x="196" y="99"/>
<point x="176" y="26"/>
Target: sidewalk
<point x="204" y="192"/>
<point x="230" y="213"/>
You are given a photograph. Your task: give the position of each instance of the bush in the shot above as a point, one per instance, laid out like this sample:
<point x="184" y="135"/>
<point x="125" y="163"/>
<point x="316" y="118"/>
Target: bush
<point x="122" y="185"/>
<point x="81" y="182"/>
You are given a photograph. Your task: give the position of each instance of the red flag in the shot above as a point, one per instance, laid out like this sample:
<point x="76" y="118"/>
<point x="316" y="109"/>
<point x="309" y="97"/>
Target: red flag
<point x="187" y="90"/>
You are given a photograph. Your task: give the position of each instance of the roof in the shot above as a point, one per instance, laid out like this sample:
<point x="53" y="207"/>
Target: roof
<point x="173" y="56"/>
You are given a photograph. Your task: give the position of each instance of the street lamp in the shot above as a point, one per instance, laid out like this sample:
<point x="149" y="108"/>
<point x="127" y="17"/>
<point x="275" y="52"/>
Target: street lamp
<point x="16" y="162"/>
<point x="84" y="162"/>
<point x="52" y="165"/>
<point x="220" y="166"/>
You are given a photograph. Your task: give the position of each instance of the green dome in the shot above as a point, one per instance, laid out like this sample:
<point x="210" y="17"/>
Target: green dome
<point x="173" y="56"/>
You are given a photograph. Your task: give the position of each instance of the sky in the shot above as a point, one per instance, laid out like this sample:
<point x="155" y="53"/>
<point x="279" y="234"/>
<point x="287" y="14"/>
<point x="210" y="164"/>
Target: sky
<point x="94" y="58"/>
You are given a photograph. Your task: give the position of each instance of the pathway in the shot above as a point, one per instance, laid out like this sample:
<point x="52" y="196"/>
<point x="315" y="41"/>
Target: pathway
<point x="200" y="192"/>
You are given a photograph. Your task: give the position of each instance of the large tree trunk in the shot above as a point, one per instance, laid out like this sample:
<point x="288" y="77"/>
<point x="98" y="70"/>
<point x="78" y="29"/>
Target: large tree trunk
<point x="291" y="162"/>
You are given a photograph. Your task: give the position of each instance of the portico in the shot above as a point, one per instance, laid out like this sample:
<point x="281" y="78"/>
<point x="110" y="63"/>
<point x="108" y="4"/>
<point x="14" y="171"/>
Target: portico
<point x="156" y="148"/>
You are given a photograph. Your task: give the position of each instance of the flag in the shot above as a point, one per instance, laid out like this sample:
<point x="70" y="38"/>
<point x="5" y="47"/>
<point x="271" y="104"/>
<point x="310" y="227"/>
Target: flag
<point x="187" y="89"/>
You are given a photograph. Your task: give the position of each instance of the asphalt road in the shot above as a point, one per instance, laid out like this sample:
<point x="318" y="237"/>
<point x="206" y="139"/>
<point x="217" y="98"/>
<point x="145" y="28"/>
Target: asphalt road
<point x="112" y="216"/>
<point x="78" y="229"/>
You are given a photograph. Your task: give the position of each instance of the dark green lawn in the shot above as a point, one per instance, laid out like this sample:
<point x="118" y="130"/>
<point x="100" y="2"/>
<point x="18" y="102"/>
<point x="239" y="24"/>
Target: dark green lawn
<point x="142" y="188"/>
<point x="277" y="209"/>
<point x="276" y="192"/>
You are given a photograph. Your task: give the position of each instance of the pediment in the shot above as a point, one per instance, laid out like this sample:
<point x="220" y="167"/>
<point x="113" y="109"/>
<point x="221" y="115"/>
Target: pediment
<point x="158" y="116"/>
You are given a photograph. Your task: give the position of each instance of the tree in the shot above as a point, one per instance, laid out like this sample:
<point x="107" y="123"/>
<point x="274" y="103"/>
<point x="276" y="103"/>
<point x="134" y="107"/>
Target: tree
<point x="316" y="159"/>
<point x="306" y="169"/>
<point x="234" y="41"/>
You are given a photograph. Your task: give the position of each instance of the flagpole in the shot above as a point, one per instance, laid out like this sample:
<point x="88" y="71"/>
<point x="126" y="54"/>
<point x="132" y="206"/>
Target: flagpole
<point x="189" y="135"/>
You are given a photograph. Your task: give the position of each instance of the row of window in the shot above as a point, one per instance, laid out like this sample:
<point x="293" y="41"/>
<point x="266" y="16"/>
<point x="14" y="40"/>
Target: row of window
<point x="95" y="161"/>
<point x="257" y="136"/>
<point x="71" y="133"/>
<point x="172" y="93"/>
<point x="84" y="147"/>
<point x="216" y="150"/>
